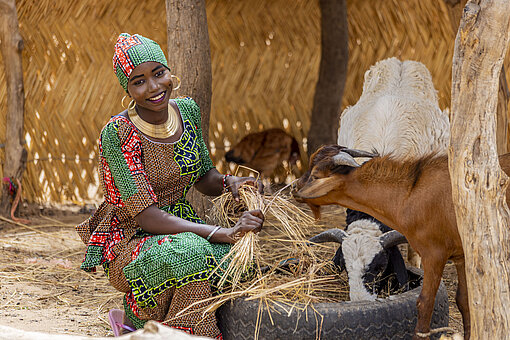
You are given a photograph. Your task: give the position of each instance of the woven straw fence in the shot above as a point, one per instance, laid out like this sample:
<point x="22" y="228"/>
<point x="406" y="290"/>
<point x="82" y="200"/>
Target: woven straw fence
<point x="265" y="60"/>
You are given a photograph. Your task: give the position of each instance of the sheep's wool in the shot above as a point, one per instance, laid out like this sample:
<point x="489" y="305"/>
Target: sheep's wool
<point x="397" y="113"/>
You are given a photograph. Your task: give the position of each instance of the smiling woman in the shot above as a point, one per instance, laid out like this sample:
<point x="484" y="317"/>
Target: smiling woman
<point x="145" y="234"/>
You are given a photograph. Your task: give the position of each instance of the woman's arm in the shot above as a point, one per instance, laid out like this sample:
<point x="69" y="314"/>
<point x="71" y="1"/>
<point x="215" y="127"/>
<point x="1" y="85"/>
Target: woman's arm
<point x="157" y="221"/>
<point x="211" y="184"/>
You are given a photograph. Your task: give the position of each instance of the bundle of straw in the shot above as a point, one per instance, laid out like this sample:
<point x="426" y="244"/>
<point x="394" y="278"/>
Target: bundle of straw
<point x="245" y="250"/>
<point x="313" y="278"/>
<point x="244" y="254"/>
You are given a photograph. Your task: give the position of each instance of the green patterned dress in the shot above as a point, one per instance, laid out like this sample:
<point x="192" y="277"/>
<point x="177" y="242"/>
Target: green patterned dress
<point x="160" y="274"/>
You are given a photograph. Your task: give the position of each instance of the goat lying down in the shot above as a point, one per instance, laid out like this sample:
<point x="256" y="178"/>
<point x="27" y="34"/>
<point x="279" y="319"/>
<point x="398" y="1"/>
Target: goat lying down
<point x="368" y="252"/>
<point x="265" y="150"/>
<point x="413" y="197"/>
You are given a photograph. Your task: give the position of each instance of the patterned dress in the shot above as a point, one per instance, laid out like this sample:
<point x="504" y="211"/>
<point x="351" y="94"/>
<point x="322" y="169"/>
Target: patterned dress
<point x="160" y="274"/>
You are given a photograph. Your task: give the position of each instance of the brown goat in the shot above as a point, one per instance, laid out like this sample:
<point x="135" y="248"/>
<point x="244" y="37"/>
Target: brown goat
<point x="265" y="150"/>
<point x="412" y="197"/>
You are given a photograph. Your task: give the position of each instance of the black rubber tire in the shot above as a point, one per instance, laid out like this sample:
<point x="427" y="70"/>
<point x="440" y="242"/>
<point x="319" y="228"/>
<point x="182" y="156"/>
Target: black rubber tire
<point x="391" y="318"/>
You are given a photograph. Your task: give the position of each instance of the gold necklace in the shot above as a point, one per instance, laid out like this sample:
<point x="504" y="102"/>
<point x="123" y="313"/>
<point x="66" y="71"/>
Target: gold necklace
<point x="160" y="131"/>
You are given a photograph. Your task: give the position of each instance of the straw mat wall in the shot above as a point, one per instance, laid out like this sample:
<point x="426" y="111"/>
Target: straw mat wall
<point x="70" y="88"/>
<point x="265" y="60"/>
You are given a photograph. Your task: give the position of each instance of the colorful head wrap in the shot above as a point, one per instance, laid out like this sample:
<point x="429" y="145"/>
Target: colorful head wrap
<point x="131" y="51"/>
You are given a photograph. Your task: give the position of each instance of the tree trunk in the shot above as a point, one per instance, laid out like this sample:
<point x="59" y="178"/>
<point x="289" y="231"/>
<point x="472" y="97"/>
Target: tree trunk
<point x="502" y="114"/>
<point x="329" y="90"/>
<point x="455" y="8"/>
<point x="11" y="45"/>
<point x="478" y="183"/>
<point x="189" y="57"/>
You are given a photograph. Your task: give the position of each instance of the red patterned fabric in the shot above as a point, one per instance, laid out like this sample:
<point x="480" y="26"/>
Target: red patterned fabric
<point x="121" y="58"/>
<point x="139" y="246"/>
<point x="112" y="193"/>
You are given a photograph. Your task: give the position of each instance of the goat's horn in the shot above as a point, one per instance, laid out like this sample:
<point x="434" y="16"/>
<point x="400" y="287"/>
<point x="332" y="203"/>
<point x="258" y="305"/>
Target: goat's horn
<point x="331" y="235"/>
<point x="359" y="153"/>
<point x="391" y="238"/>
<point x="343" y="158"/>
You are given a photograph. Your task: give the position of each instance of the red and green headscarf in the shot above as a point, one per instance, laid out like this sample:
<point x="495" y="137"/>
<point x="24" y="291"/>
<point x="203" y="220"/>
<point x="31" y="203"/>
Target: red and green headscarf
<point x="131" y="51"/>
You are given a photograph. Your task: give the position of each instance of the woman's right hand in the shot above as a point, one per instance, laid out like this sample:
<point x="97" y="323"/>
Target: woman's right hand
<point x="249" y="221"/>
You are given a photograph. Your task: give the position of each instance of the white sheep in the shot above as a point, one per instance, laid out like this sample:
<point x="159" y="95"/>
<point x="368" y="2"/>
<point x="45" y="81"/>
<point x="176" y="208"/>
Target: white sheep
<point x="397" y="114"/>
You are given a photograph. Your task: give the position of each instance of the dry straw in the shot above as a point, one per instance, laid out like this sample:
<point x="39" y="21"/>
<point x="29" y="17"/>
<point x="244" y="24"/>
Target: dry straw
<point x="305" y="284"/>
<point x="243" y="252"/>
<point x="246" y="249"/>
<point x="307" y="279"/>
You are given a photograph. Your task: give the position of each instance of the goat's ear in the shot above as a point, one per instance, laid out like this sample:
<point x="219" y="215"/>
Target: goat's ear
<point x="317" y="188"/>
<point x="339" y="259"/>
<point x="396" y="261"/>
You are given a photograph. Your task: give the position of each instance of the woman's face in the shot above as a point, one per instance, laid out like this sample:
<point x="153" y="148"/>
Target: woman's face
<point x="150" y="85"/>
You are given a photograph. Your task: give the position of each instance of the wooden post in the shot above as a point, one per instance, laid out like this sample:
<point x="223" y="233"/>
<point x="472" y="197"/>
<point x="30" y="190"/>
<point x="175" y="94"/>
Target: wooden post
<point x="502" y="136"/>
<point x="478" y="183"/>
<point x="11" y="46"/>
<point x="189" y="53"/>
<point x="455" y="8"/>
<point x="329" y="90"/>
<point x="189" y="57"/>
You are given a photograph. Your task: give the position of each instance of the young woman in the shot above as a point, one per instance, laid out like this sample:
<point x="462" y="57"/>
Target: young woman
<point x="147" y="237"/>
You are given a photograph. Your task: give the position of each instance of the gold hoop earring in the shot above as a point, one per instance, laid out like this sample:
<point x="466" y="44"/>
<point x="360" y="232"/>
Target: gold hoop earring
<point x="178" y="80"/>
<point x="132" y="105"/>
<point x="122" y="101"/>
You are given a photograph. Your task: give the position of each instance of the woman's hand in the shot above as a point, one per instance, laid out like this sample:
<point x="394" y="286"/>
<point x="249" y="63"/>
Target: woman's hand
<point x="233" y="183"/>
<point x="249" y="221"/>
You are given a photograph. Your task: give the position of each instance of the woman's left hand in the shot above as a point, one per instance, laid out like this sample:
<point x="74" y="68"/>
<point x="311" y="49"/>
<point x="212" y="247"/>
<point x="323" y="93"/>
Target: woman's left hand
<point x="233" y="183"/>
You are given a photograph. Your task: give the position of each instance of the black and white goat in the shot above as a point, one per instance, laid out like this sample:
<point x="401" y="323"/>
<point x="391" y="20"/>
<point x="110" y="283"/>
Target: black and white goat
<point x="368" y="252"/>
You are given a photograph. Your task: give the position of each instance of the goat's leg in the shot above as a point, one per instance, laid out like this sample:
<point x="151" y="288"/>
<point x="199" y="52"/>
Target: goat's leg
<point x="412" y="257"/>
<point x="462" y="299"/>
<point x="433" y="269"/>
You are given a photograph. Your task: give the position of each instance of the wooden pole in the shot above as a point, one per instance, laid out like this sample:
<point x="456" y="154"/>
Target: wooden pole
<point x="11" y="46"/>
<point x="455" y="8"/>
<point x="189" y="53"/>
<point x="189" y="57"/>
<point x="478" y="183"/>
<point x="329" y="90"/>
<point x="502" y="135"/>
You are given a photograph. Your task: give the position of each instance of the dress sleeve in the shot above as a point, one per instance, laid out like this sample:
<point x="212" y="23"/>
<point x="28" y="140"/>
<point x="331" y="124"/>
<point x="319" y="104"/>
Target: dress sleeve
<point x="196" y="116"/>
<point x="124" y="178"/>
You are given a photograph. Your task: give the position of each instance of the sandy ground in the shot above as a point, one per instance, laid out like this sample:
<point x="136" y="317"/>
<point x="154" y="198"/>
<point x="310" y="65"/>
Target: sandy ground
<point x="43" y="289"/>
